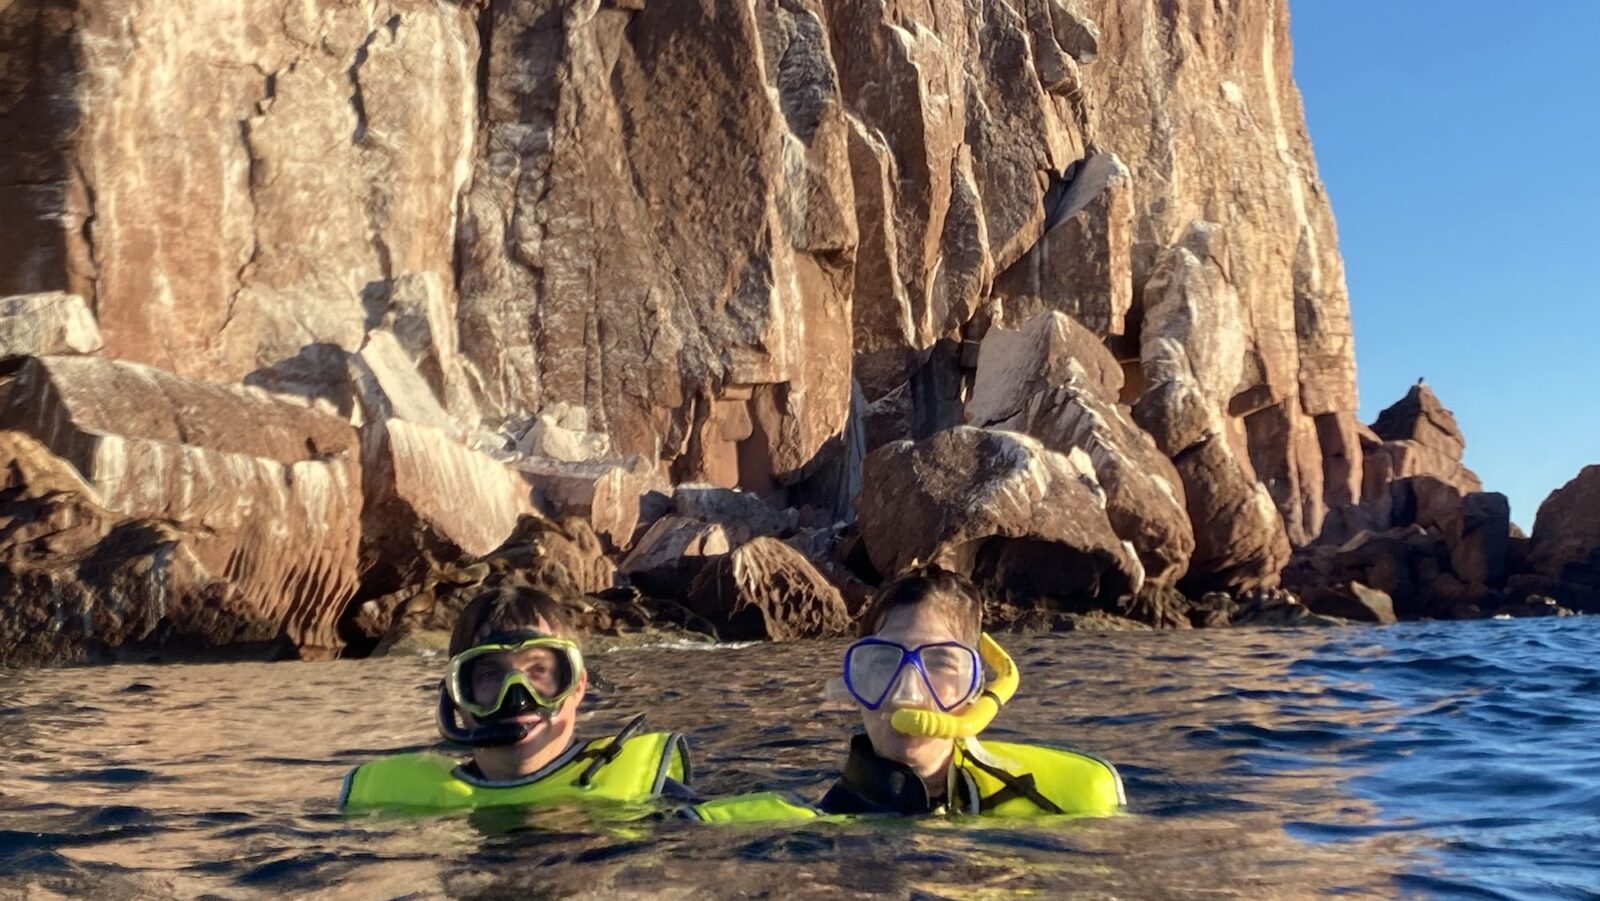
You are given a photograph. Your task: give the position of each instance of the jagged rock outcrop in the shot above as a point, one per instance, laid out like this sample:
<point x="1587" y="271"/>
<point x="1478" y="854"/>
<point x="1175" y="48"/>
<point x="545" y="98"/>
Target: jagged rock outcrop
<point x="80" y="582"/>
<point x="1053" y="380"/>
<point x="1416" y="437"/>
<point x="265" y="495"/>
<point x="1025" y="522"/>
<point x="1564" y="559"/>
<point x="768" y="590"/>
<point x="748" y="241"/>
<point x="503" y="185"/>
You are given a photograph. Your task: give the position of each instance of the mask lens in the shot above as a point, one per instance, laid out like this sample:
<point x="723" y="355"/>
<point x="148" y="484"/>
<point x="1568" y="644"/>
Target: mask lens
<point x="869" y="670"/>
<point x="482" y="676"/>
<point x="952" y="673"/>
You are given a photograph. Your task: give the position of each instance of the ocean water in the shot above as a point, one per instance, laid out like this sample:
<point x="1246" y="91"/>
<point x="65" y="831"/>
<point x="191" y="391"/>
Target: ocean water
<point x="1426" y="760"/>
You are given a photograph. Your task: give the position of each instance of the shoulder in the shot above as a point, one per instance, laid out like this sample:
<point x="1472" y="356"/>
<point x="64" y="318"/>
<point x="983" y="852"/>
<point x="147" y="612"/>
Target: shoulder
<point x="395" y="776"/>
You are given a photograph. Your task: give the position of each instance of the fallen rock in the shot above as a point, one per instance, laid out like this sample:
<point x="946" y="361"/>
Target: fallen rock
<point x="1352" y="601"/>
<point x="1023" y="521"/>
<point x="562" y="434"/>
<point x="765" y="589"/>
<point x="261" y="493"/>
<point x="1145" y="500"/>
<point x="1050" y="350"/>
<point x="38" y="325"/>
<point x="829" y="550"/>
<point x="1239" y="538"/>
<point x="1082" y="265"/>
<point x="606" y="493"/>
<point x="430" y="503"/>
<point x="81" y="583"/>
<point x="563" y="558"/>
<point x="741" y="513"/>
<point x="671" y="553"/>
<point x="388" y="386"/>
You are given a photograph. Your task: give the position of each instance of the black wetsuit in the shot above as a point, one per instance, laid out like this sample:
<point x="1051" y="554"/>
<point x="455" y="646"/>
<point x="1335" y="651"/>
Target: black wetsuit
<point x="871" y="784"/>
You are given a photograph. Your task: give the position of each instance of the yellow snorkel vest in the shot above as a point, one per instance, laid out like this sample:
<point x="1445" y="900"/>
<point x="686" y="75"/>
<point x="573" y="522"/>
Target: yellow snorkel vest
<point x="1013" y="780"/>
<point x="433" y="782"/>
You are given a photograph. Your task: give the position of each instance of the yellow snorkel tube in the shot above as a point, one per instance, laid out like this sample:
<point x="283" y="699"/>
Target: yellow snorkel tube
<point x="979" y="714"/>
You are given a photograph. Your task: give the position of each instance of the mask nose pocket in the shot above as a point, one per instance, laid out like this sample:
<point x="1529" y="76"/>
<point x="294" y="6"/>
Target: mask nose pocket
<point x="908" y="689"/>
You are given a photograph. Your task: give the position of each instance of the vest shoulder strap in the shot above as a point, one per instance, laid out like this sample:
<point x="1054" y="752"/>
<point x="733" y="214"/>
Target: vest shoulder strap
<point x="1029" y="780"/>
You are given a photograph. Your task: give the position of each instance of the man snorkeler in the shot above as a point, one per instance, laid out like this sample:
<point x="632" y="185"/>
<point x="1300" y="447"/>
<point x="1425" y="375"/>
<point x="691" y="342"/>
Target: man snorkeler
<point x="511" y="693"/>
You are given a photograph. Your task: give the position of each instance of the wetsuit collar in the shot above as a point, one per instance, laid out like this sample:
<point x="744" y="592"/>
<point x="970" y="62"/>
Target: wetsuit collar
<point x="871" y="784"/>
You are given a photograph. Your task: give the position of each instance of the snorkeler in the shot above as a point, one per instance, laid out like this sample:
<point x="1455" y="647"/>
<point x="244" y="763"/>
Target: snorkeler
<point x="511" y="693"/>
<point x="917" y="677"/>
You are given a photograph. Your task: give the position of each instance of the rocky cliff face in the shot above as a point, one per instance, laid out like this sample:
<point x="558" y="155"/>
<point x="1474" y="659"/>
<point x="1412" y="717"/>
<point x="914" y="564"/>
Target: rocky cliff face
<point x="748" y="241"/>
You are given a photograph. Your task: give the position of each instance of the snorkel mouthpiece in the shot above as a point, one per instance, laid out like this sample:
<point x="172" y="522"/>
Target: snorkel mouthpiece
<point x="979" y="714"/>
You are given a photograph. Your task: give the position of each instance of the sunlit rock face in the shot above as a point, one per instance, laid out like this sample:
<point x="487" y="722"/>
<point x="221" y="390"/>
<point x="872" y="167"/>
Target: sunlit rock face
<point x="749" y="240"/>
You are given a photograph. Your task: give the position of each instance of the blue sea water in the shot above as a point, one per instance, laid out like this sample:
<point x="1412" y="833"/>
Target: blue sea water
<point x="1428" y="760"/>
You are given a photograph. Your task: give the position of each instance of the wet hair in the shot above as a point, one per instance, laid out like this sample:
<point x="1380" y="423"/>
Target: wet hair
<point x="951" y="595"/>
<point x="508" y="608"/>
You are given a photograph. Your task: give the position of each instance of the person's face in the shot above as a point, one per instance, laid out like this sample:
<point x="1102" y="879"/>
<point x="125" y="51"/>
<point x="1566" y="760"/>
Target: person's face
<point x="910" y="626"/>
<point x="549" y="737"/>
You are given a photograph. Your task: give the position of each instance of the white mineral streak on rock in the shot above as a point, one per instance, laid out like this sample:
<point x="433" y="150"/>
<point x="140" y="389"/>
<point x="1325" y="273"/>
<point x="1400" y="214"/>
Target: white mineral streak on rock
<point x="468" y="496"/>
<point x="46" y="324"/>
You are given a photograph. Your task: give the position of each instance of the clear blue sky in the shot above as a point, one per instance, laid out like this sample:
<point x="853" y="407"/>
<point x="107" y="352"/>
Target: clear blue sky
<point x="1460" y="143"/>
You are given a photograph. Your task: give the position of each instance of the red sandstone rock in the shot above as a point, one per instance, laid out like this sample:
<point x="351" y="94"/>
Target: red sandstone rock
<point x="261" y="493"/>
<point x="768" y="590"/>
<point x="859" y="179"/>
<point x="1026" y="521"/>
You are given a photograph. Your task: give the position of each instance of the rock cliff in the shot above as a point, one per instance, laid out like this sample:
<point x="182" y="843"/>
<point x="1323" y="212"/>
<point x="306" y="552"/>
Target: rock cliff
<point x="745" y="242"/>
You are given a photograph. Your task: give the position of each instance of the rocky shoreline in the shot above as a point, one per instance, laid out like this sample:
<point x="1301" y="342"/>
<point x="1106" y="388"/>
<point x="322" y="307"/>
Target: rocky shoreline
<point x="318" y="317"/>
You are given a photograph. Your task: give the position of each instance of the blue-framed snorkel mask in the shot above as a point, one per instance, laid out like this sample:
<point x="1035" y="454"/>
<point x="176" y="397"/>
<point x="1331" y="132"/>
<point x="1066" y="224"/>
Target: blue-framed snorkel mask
<point x="873" y="676"/>
<point x="502" y="678"/>
<point x="947" y="673"/>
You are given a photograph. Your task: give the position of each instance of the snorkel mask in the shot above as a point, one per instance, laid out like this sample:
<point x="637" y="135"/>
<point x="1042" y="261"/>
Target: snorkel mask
<point x="950" y="674"/>
<point x="501" y="679"/>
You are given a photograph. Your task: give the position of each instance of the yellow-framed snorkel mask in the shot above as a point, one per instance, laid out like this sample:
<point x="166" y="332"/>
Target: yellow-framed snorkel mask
<point x="979" y="713"/>
<point x="498" y="680"/>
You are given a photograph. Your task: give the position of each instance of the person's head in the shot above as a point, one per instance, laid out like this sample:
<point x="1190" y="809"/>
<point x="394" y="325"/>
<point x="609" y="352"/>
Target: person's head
<point x="512" y="620"/>
<point x="927" y="606"/>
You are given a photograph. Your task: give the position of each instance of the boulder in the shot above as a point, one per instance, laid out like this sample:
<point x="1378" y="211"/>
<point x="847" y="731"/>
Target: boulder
<point x="1239" y="538"/>
<point x="1144" y="494"/>
<point x="388" y="386"/>
<point x="607" y="493"/>
<point x="1353" y="601"/>
<point x="829" y="550"/>
<point x="1056" y="381"/>
<point x="767" y="590"/>
<point x="1026" y="522"/>
<point x="671" y="553"/>
<point x="563" y="558"/>
<point x="742" y="514"/>
<point x="1565" y="549"/>
<point x="1051" y="349"/>
<point x="431" y="502"/>
<point x="38" y="325"/>
<point x="262" y="493"/>
<point x="562" y="434"/>
<point x="1082" y="265"/>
